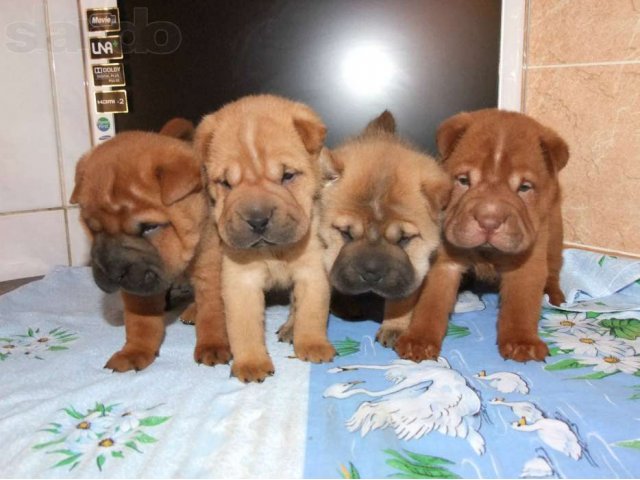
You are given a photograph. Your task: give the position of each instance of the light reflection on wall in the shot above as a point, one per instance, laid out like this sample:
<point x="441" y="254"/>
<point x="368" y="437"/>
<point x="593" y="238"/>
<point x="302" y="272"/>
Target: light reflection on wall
<point x="368" y="69"/>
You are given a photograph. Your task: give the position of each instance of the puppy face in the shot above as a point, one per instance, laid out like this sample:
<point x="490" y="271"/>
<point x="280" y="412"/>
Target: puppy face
<point x="505" y="167"/>
<point x="262" y="174"/>
<point x="380" y="215"/>
<point x="139" y="201"/>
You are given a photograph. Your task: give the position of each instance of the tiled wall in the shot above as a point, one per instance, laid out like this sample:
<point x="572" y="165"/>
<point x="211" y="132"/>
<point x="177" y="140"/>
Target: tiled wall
<point x="43" y="131"/>
<point x="582" y="77"/>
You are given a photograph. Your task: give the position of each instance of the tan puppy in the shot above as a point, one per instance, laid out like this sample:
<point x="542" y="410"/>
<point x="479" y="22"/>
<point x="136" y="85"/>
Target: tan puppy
<point x="381" y="218"/>
<point x="503" y="223"/>
<point x="142" y="203"/>
<point x="262" y="172"/>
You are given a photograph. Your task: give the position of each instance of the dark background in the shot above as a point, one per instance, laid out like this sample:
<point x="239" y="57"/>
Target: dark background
<point x="190" y="57"/>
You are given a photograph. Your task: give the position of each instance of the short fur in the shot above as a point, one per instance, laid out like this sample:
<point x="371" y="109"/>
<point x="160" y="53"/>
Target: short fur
<point x="262" y="174"/>
<point x="141" y="201"/>
<point x="503" y="223"/>
<point x="381" y="215"/>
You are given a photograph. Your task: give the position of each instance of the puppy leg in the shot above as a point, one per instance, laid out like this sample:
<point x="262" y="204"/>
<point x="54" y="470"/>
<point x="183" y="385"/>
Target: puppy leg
<point x="521" y="293"/>
<point x="311" y="297"/>
<point x="554" y="257"/>
<point x="188" y="317"/>
<point x="144" y="326"/>
<point x="428" y="327"/>
<point x="212" y="342"/>
<point x="244" y="306"/>
<point x="285" y="332"/>
<point x="397" y="317"/>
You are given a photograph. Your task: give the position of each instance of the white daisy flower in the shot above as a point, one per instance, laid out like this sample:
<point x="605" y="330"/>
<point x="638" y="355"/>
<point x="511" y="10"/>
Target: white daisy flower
<point x="82" y="434"/>
<point x="569" y="322"/>
<point x="591" y="344"/>
<point x="612" y="363"/>
<point x="127" y="420"/>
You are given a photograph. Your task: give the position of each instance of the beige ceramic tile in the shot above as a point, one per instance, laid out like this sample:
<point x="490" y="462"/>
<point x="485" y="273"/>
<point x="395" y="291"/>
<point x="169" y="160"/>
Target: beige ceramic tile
<point x="583" y="31"/>
<point x="597" y="110"/>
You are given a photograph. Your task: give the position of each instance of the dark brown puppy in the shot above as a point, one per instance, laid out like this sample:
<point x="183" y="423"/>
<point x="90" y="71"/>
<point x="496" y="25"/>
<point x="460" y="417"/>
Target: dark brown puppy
<point x="380" y="217"/>
<point x="143" y="207"/>
<point x="503" y="223"/>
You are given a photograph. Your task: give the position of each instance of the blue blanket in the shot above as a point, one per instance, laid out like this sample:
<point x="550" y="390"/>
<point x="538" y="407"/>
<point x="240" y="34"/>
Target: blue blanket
<point x="367" y="414"/>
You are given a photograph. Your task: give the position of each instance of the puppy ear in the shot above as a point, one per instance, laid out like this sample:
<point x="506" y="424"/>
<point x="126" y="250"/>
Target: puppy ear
<point x="554" y="150"/>
<point x="179" y="128"/>
<point x="203" y="136"/>
<point x="178" y="179"/>
<point x="330" y="165"/>
<point x="385" y="122"/>
<point x="80" y="168"/>
<point x="449" y="133"/>
<point x="312" y="132"/>
<point x="437" y="186"/>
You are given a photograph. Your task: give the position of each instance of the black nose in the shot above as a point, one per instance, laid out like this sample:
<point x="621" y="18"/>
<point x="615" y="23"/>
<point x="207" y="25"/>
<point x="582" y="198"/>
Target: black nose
<point x="258" y="224"/>
<point x="372" y="270"/>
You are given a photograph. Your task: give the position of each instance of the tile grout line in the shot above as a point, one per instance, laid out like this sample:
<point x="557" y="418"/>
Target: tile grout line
<point x="525" y="51"/>
<point x="584" y="64"/>
<point x="56" y="121"/>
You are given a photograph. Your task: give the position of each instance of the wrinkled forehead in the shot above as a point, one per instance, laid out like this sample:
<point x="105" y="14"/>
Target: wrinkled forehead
<point x="112" y="186"/>
<point x="256" y="144"/>
<point x="499" y="150"/>
<point x="377" y="201"/>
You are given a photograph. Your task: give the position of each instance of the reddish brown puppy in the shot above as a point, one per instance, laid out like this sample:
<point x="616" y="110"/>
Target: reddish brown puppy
<point x="141" y="201"/>
<point x="503" y="224"/>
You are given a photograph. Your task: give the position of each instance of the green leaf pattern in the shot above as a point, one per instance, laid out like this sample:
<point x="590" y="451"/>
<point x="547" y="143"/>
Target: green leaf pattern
<point x="102" y="432"/>
<point x="35" y="344"/>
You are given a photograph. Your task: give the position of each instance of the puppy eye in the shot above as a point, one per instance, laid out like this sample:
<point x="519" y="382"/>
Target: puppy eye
<point x="224" y="183"/>
<point x="147" y="229"/>
<point x="345" y="233"/>
<point x="288" y="176"/>
<point x="525" y="187"/>
<point x="463" y="180"/>
<point x="404" y="240"/>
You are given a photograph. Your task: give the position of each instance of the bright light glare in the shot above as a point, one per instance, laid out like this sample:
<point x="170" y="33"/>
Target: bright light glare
<point x="367" y="69"/>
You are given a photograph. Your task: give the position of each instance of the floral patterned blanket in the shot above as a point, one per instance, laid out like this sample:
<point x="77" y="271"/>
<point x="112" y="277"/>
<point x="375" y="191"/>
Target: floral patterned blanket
<point x="367" y="414"/>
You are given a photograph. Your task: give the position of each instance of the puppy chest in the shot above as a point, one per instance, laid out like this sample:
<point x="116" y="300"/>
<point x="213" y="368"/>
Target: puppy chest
<point x="277" y="274"/>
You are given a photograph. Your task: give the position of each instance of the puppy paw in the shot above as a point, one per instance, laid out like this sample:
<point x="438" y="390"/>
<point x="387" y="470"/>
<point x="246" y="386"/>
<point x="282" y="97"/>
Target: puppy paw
<point x="316" y="350"/>
<point x="285" y="332"/>
<point x="556" y="297"/>
<point x="523" y="350"/>
<point x="212" y="354"/>
<point x="188" y="317"/>
<point x="252" y="370"/>
<point x="388" y="335"/>
<point x="126" y="360"/>
<point x="417" y="349"/>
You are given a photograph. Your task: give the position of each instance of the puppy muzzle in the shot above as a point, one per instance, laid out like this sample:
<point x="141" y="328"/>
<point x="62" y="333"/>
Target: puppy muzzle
<point x="129" y="263"/>
<point x="379" y="269"/>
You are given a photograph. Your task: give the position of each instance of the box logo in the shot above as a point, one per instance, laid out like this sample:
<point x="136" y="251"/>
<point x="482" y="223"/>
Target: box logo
<point x="105" y="47"/>
<point x="103" y="20"/>
<point x="103" y="124"/>
<point x="112" y="102"/>
<point x="108" y="75"/>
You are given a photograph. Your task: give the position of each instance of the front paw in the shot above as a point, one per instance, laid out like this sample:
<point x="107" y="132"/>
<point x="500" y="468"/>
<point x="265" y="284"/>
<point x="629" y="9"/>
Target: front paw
<point x="126" y="360"/>
<point x="387" y="335"/>
<point x="212" y="353"/>
<point x="523" y="349"/>
<point x="314" y="350"/>
<point x="253" y="369"/>
<point x="556" y="297"/>
<point x="417" y="349"/>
